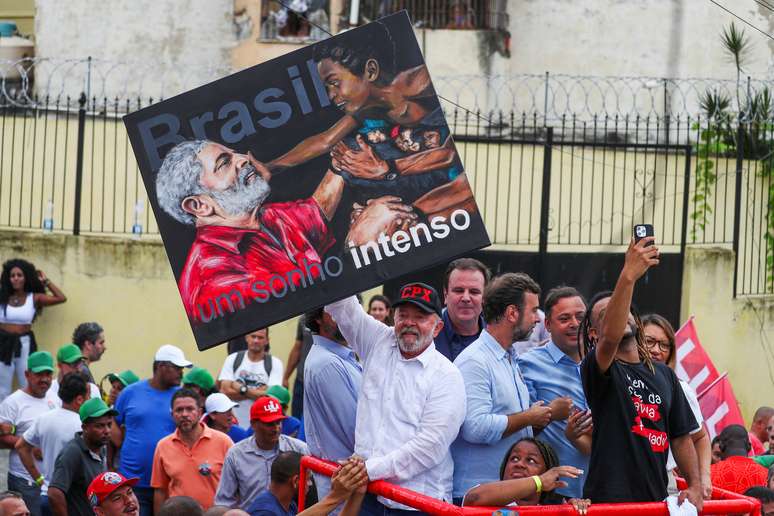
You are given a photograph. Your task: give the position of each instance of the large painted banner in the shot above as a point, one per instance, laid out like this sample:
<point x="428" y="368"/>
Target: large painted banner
<point x="304" y="179"/>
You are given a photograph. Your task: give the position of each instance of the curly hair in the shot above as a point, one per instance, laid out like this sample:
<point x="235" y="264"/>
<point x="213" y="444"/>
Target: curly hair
<point x="178" y="178"/>
<point x="32" y="283"/>
<point x="550" y="458"/>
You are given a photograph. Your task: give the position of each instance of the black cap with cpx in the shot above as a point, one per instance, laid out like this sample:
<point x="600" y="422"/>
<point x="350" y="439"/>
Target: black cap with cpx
<point x="422" y="295"/>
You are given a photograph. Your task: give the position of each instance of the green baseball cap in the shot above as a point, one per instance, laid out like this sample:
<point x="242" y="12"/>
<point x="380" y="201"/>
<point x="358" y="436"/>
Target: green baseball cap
<point x="279" y="392"/>
<point x="68" y="354"/>
<point x="95" y="407"/>
<point x="40" y="361"/>
<point x="125" y="377"/>
<point x="201" y="377"/>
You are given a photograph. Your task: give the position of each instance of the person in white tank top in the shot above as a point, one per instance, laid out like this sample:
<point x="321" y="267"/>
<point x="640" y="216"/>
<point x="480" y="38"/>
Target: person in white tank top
<point x="24" y="291"/>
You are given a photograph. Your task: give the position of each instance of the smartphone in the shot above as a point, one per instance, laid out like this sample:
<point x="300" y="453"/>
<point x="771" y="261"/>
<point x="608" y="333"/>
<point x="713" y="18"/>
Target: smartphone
<point x="643" y="230"/>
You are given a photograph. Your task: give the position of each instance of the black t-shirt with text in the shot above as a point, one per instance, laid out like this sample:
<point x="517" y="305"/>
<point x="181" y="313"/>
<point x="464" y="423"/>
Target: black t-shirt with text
<point x="635" y="414"/>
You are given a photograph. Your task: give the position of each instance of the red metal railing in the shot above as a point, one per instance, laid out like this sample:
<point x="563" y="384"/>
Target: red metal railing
<point x="723" y="502"/>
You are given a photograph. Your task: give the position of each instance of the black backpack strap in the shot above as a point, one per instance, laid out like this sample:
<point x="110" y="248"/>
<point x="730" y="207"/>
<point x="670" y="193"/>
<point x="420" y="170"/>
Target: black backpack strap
<point x="238" y="360"/>
<point x="267" y="361"/>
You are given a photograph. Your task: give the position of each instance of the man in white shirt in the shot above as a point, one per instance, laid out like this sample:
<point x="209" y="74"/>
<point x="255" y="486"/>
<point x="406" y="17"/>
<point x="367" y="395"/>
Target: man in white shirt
<point x="412" y="399"/>
<point x="21" y="409"/>
<point x="246" y="375"/>
<point x="51" y="431"/>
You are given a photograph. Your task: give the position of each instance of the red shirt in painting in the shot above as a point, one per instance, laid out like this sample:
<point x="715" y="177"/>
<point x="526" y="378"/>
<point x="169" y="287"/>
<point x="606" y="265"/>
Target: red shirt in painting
<point x="232" y="262"/>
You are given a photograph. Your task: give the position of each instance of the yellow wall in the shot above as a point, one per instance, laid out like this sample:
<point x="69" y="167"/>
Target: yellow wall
<point x="127" y="286"/>
<point x="737" y="333"/>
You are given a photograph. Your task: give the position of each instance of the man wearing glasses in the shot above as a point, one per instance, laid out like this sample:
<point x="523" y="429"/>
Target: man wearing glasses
<point x="144" y="419"/>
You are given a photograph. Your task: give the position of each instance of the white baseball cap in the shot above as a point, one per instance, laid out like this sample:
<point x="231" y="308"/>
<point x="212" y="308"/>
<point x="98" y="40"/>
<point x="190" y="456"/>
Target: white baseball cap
<point x="218" y="402"/>
<point x="173" y="354"/>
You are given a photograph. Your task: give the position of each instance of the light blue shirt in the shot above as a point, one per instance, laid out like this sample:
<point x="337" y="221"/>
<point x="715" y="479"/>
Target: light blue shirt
<point x="551" y="374"/>
<point x="494" y="388"/>
<point x="332" y="377"/>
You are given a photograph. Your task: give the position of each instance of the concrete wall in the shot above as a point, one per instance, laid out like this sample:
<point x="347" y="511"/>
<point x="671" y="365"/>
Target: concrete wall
<point x="659" y="38"/>
<point x="737" y="333"/>
<point x="172" y="44"/>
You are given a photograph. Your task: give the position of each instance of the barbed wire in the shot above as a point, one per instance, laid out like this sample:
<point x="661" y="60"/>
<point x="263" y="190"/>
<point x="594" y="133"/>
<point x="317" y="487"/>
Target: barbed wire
<point x="547" y="96"/>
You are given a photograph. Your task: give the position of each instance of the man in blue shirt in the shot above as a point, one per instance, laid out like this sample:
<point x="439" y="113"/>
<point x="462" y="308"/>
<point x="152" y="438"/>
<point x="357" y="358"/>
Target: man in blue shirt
<point x="552" y="372"/>
<point x="498" y="406"/>
<point x="144" y="419"/>
<point x="463" y="291"/>
<point x="278" y="500"/>
<point x="332" y="377"/>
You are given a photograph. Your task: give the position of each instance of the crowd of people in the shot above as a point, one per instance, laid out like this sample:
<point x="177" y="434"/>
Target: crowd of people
<point x="479" y="395"/>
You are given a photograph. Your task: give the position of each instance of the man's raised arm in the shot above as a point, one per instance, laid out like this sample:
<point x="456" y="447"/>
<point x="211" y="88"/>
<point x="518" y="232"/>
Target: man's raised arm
<point x="360" y="330"/>
<point x="639" y="259"/>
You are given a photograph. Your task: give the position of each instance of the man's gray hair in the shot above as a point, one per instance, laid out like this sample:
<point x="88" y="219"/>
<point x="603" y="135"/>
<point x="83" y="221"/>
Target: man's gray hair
<point x="178" y="178"/>
<point x="10" y="494"/>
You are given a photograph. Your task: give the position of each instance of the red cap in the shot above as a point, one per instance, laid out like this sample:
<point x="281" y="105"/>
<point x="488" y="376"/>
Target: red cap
<point x="267" y="410"/>
<point x="104" y="484"/>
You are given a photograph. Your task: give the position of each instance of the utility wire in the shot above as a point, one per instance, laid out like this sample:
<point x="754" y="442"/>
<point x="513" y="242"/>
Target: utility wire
<point x="743" y="20"/>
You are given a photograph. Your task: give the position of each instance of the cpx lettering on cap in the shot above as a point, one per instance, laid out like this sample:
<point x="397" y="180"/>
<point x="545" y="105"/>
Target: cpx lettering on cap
<point x="422" y="295"/>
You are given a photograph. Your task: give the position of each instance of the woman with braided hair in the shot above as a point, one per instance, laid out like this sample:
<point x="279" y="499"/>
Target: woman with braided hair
<point x="529" y="474"/>
<point x="638" y="408"/>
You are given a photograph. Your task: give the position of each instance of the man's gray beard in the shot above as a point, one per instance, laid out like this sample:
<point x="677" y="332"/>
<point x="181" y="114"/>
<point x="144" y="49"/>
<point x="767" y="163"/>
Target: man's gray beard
<point x="420" y="343"/>
<point x="242" y="198"/>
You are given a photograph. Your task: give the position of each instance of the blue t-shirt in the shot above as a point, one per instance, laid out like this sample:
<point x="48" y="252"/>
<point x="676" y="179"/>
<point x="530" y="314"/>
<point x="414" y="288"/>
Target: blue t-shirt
<point x="147" y="416"/>
<point x="237" y="433"/>
<point x="266" y="504"/>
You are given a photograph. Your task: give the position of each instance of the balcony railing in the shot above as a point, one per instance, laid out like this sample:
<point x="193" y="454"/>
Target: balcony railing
<point x="442" y="14"/>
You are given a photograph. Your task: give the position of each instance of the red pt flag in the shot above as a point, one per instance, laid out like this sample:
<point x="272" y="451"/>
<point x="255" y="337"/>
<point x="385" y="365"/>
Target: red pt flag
<point x="719" y="406"/>
<point x="692" y="364"/>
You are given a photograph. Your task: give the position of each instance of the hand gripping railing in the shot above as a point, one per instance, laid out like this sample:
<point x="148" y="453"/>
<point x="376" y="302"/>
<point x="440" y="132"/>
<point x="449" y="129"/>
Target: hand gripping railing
<point x="723" y="502"/>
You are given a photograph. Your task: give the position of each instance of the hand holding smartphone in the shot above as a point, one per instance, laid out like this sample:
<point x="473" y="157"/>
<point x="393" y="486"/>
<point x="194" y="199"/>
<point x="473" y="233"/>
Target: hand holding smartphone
<point x="642" y="231"/>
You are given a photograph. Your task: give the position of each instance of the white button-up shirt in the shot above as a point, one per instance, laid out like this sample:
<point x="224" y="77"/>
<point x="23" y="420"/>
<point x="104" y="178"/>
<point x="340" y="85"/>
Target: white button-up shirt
<point x="409" y="411"/>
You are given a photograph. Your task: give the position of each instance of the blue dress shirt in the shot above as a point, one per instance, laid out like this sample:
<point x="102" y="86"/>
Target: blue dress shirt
<point x="494" y="388"/>
<point x="550" y="374"/>
<point x="449" y="343"/>
<point x="332" y="377"/>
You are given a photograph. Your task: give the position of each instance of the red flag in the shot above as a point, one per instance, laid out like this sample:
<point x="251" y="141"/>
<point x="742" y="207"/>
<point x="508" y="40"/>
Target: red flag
<point x="719" y="406"/>
<point x="692" y="363"/>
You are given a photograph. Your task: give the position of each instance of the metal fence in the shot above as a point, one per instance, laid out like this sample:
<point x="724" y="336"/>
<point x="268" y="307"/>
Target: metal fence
<point x="570" y="184"/>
